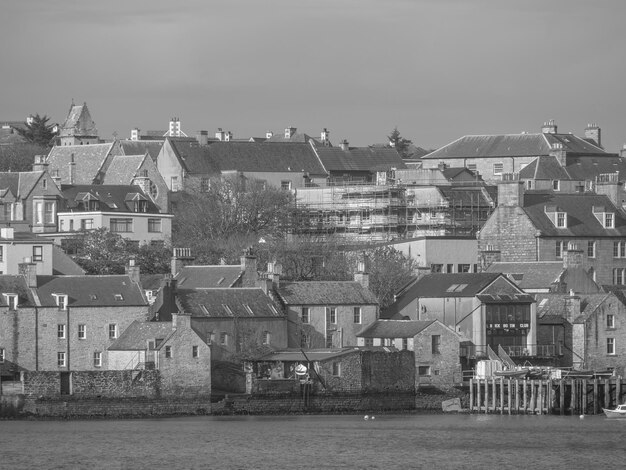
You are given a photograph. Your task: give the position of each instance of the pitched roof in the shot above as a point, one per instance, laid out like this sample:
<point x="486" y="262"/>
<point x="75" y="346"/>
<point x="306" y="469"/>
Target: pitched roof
<point x="20" y="183"/>
<point x="325" y="293"/>
<point x="140" y="147"/>
<point x="191" y="277"/>
<point x="90" y="291"/>
<point x="113" y="198"/>
<point x="394" y="329"/>
<point x="581" y="221"/>
<point x="552" y="307"/>
<point x="587" y="168"/>
<point x="62" y="264"/>
<point x="279" y="137"/>
<point x="248" y="156"/>
<point x="512" y="145"/>
<point x="437" y="285"/>
<point x="370" y="159"/>
<point x="545" y="167"/>
<point x="79" y="122"/>
<point x="122" y="169"/>
<point x="466" y="196"/>
<point x="310" y="355"/>
<point x="88" y="159"/>
<point x="232" y="302"/>
<point x="530" y="275"/>
<point x="138" y="333"/>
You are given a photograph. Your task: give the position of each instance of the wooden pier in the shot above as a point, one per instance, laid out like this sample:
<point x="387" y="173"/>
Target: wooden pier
<point x="563" y="396"/>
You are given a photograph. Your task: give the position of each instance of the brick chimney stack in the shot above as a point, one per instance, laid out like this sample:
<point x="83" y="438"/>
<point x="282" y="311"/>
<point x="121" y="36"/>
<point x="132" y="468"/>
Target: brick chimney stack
<point x="133" y="271"/>
<point x="549" y="127"/>
<point x="610" y="185"/>
<point x="573" y="257"/>
<point x="28" y="269"/>
<point x="510" y="191"/>
<point x="180" y="257"/>
<point x="594" y="133"/>
<point x="249" y="268"/>
<point x="361" y="276"/>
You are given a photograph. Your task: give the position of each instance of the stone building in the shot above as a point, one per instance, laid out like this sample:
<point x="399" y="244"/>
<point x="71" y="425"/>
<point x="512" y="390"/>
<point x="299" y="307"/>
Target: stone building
<point x="435" y="345"/>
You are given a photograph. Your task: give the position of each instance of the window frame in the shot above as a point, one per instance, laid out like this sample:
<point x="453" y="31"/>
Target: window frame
<point x="195" y="352"/>
<point x="2" y="355"/>
<point x="610" y="346"/>
<point x="610" y="321"/>
<point x="113" y="332"/>
<point x="121" y="225"/>
<point x="498" y="168"/>
<point x="591" y="249"/>
<point x="61" y="359"/>
<point x="168" y="352"/>
<point x="82" y="331"/>
<point x="37" y="253"/>
<point x="332" y="315"/>
<point x="305" y="315"/>
<point x="357" y="315"/>
<point x="97" y="359"/>
<point x="155" y="225"/>
<point x="435" y="342"/>
<point x="61" y="331"/>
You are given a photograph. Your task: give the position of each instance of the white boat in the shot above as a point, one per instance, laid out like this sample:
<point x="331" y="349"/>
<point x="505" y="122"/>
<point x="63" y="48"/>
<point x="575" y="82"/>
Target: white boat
<point x="619" y="412"/>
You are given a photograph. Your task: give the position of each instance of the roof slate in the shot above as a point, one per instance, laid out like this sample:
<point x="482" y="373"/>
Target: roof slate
<point x="136" y="336"/>
<point x="325" y="293"/>
<point x="213" y="302"/>
<point x="11" y="284"/>
<point x="90" y="291"/>
<point x="394" y="329"/>
<point x="122" y="169"/>
<point x="88" y="160"/>
<point x="20" y="183"/>
<point x="140" y="147"/>
<point x="370" y="159"/>
<point x="191" y="277"/>
<point x="114" y="198"/>
<point x="530" y="275"/>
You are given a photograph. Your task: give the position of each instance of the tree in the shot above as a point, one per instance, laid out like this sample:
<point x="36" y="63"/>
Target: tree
<point x="103" y="252"/>
<point x="38" y="131"/>
<point x="19" y="157"/>
<point x="389" y="270"/>
<point x="399" y="143"/>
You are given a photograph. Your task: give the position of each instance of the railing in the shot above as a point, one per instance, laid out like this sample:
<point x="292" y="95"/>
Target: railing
<point x="473" y="351"/>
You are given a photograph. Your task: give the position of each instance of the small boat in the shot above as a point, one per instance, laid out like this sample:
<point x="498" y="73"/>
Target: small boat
<point x="619" y="412"/>
<point x="511" y="374"/>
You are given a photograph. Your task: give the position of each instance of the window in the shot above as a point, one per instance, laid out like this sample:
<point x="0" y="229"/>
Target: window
<point x="305" y="315"/>
<point x="38" y="212"/>
<point x="71" y="225"/>
<point x="471" y="166"/>
<point x="449" y="268"/>
<point x="154" y="225"/>
<point x="610" y="346"/>
<point x="205" y="185"/>
<point x="168" y="352"/>
<point x="61" y="359"/>
<point x="369" y="341"/>
<point x="618" y="275"/>
<point x="37" y="253"/>
<point x="332" y="315"/>
<point x="591" y="249"/>
<point x="267" y="337"/>
<point x="388" y="342"/>
<point x="86" y="224"/>
<point x="436" y="268"/>
<point x="423" y="370"/>
<point x="529" y="184"/>
<point x="610" y="321"/>
<point x="1" y="355"/>
<point x="498" y="168"/>
<point x="405" y="343"/>
<point x="112" y="331"/>
<point x="463" y="268"/>
<point x="195" y="352"/>
<point x="609" y="221"/>
<point x="560" y="247"/>
<point x="48" y="216"/>
<point x="121" y="225"/>
<point x="223" y="339"/>
<point x="337" y="369"/>
<point x="61" y="301"/>
<point x="11" y="300"/>
<point x="357" y="315"/>
<point x="329" y="339"/>
<point x="561" y="219"/>
<point x="285" y="184"/>
<point x="97" y="359"/>
<point x="1" y="254"/>
<point x="118" y="297"/>
<point x="210" y="337"/>
<point x="436" y="344"/>
<point x="174" y="183"/>
<point x="82" y="331"/>
<point x="61" y="331"/>
<point x="556" y="185"/>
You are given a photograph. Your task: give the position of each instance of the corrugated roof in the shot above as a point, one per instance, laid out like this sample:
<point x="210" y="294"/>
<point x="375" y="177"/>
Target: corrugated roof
<point x="137" y="335"/>
<point x="325" y="293"/>
<point x="88" y="159"/>
<point x="394" y="329"/>
<point x="232" y="302"/>
<point x="581" y="221"/>
<point x="90" y="291"/>
<point x="370" y="159"/>
<point x="192" y="277"/>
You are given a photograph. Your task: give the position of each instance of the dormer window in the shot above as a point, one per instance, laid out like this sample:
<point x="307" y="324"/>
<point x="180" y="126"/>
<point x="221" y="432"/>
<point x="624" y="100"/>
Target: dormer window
<point x="557" y="216"/>
<point x="61" y="301"/>
<point x="561" y="219"/>
<point x="609" y="220"/>
<point x="119" y="297"/>
<point x="11" y="300"/>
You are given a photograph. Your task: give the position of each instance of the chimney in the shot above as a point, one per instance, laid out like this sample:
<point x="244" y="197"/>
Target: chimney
<point x="56" y="178"/>
<point x="133" y="271"/>
<point x="41" y="163"/>
<point x="609" y="185"/>
<point x="203" y="137"/>
<point x="220" y="134"/>
<point x="573" y="257"/>
<point x="510" y="191"/>
<point x="72" y="170"/>
<point x="289" y="132"/>
<point x="572" y="307"/>
<point x="361" y="276"/>
<point x="180" y="321"/>
<point x="28" y="269"/>
<point x="344" y="145"/>
<point x="594" y="133"/>
<point x="7" y="233"/>
<point x="228" y="136"/>
<point x="622" y="152"/>
<point x="248" y="266"/>
<point x="558" y="152"/>
<point x="324" y="136"/>
<point x="180" y="257"/>
<point x="549" y="127"/>
<point x="269" y="134"/>
<point x="134" y="134"/>
<point x="488" y="256"/>
<point x="174" y="127"/>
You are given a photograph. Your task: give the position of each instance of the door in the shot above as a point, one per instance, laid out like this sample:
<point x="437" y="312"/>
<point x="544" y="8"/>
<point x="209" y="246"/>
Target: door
<point x="65" y="383"/>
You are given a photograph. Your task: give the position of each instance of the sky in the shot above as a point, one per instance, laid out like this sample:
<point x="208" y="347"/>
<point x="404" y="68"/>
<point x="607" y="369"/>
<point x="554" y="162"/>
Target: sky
<point x="435" y="69"/>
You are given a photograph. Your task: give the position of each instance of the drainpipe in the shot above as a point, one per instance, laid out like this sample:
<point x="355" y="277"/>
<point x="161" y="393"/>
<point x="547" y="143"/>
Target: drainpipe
<point x="36" y="338"/>
<point x="68" y="336"/>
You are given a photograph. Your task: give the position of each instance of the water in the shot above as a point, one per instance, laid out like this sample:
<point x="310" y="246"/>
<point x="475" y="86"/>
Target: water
<point x="316" y="442"/>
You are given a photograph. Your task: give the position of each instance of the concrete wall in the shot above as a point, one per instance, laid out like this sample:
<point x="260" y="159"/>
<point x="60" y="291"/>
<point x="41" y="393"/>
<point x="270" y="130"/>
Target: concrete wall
<point x="440" y="251"/>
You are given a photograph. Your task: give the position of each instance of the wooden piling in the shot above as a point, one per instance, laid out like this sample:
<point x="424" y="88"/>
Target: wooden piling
<point x="583" y="407"/>
<point x="607" y="393"/>
<point x="517" y="396"/>
<point x="486" y="396"/>
<point x="494" y="400"/>
<point x="525" y="397"/>
<point x="471" y="400"/>
<point x="510" y="392"/>
<point x="562" y="396"/>
<point x="574" y="397"/>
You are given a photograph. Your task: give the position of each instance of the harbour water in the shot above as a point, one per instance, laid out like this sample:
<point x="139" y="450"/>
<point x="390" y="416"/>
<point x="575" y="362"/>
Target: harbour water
<point x="316" y="442"/>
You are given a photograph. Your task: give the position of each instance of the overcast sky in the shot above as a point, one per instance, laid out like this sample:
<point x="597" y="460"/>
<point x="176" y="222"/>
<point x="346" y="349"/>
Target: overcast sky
<point x="436" y="69"/>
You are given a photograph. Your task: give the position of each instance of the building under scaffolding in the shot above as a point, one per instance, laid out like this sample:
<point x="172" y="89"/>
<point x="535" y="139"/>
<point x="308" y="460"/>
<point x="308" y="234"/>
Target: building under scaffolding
<point x="387" y="211"/>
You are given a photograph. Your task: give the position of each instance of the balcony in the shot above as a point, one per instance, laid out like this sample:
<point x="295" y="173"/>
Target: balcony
<point x="472" y="351"/>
